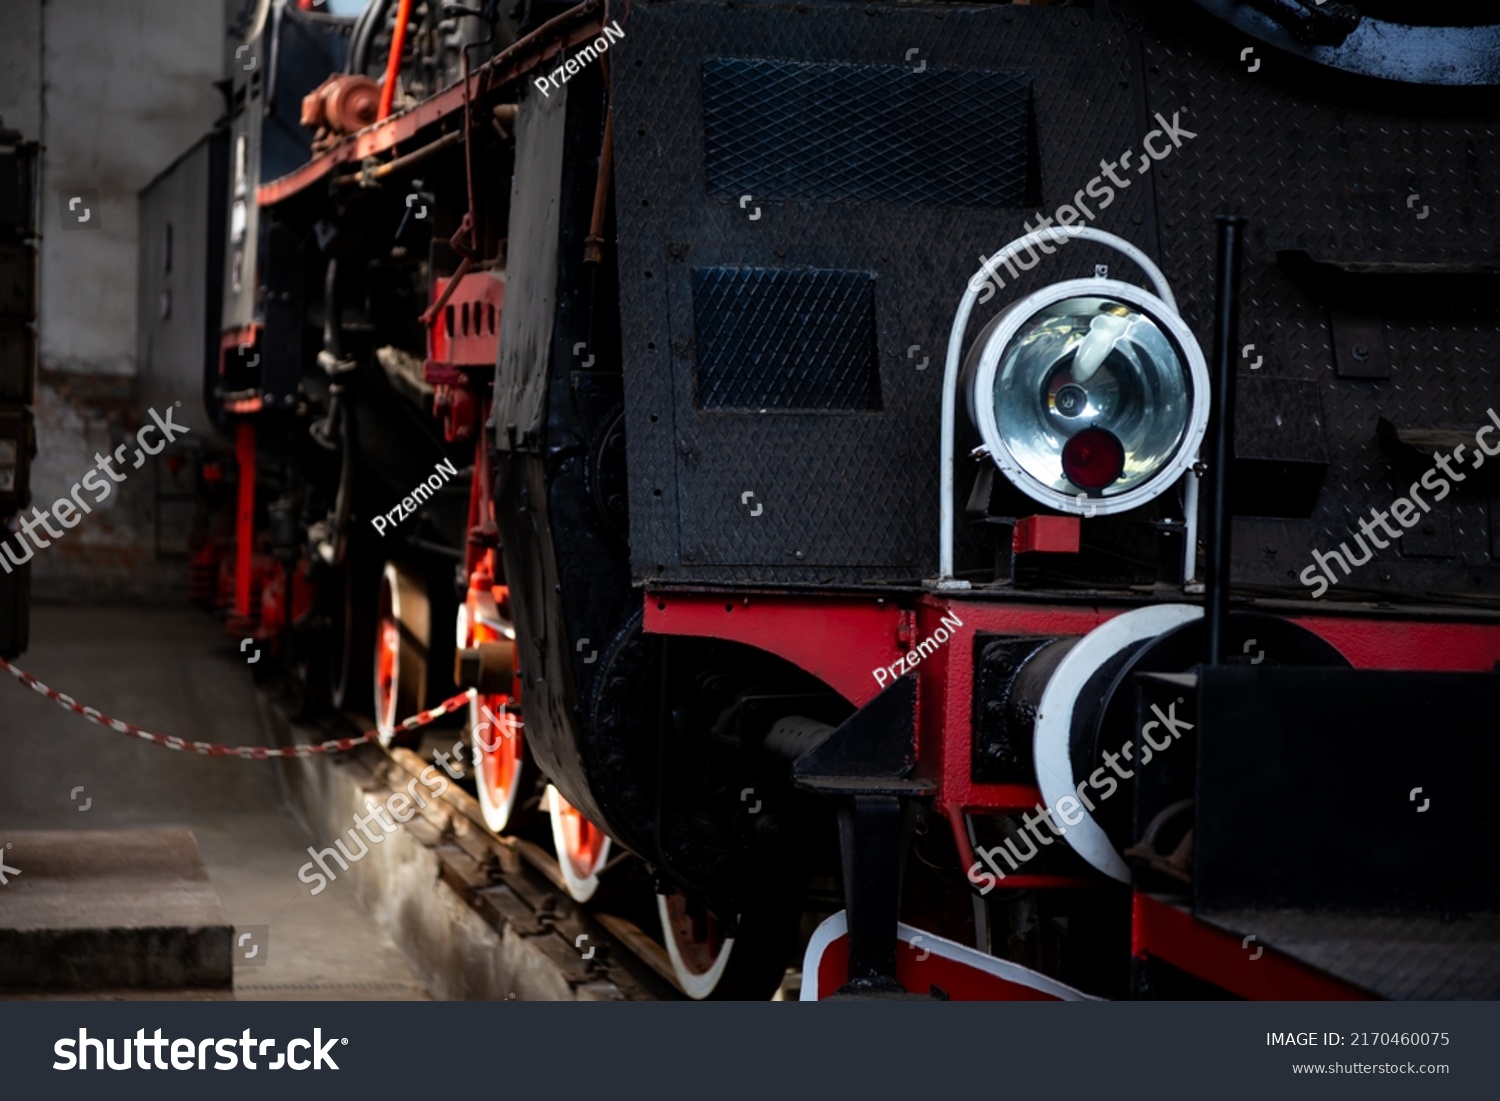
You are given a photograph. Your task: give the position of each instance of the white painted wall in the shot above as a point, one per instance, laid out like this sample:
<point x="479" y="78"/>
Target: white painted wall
<point x="115" y="89"/>
<point x="129" y="86"/>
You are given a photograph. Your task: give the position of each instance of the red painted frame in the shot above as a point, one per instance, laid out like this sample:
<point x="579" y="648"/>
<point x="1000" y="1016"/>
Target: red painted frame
<point x="843" y="639"/>
<point x="467" y="332"/>
<point x="244" y="523"/>
<point x="1159" y="930"/>
<point x="838" y="639"/>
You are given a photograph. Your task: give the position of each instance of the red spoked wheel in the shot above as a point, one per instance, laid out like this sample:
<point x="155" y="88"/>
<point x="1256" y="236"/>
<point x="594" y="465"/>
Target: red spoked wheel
<point x="401" y="634"/>
<point x="582" y="847"/>
<point x="494" y="725"/>
<point x="696" y="943"/>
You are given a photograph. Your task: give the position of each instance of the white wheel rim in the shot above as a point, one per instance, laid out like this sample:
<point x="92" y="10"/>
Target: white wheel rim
<point x="386" y="716"/>
<point x="695" y="985"/>
<point x="581" y="888"/>
<point x="496" y="812"/>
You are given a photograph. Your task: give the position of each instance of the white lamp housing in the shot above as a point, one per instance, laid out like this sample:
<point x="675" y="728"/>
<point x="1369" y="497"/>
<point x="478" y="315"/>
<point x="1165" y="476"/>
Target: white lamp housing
<point x="1089" y="355"/>
<point x="1135" y="367"/>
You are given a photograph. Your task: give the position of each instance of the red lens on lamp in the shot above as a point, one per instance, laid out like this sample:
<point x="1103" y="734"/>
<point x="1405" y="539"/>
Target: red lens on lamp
<point x="1093" y="459"/>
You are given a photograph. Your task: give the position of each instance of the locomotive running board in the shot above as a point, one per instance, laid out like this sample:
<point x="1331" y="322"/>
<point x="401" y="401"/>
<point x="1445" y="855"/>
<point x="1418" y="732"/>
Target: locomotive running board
<point x="930" y="965"/>
<point x="1290" y="771"/>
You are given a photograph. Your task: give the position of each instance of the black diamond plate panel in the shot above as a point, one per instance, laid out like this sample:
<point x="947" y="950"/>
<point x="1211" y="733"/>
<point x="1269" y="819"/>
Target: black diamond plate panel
<point x="785" y="340"/>
<point x="1399" y="957"/>
<point x="833" y="497"/>
<point x="866" y="133"/>
<point x="1344" y="172"/>
<point x="1339" y="171"/>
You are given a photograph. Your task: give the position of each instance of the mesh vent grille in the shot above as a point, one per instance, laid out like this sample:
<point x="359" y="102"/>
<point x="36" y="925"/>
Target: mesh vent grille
<point x="866" y="133"/>
<point x="785" y="340"/>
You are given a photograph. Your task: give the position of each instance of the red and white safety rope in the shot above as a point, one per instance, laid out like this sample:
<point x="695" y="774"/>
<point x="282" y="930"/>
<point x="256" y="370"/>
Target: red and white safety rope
<point x="209" y="749"/>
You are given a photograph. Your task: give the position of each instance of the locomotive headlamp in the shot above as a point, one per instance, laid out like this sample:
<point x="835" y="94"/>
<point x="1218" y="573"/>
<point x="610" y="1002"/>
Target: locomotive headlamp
<point x="1090" y="395"/>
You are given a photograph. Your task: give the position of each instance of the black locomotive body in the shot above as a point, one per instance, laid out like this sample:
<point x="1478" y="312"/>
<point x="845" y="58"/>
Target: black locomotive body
<point x="803" y="589"/>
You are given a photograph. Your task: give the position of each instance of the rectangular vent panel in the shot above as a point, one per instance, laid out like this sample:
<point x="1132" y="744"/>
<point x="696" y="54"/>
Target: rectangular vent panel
<point x="866" y="133"/>
<point x="785" y="340"/>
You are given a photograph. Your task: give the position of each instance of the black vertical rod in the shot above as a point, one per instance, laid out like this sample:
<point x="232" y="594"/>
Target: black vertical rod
<point x="1221" y="436"/>
<point x="870" y="840"/>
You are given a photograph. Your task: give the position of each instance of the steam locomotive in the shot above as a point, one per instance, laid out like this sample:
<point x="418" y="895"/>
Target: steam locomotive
<point x="905" y="460"/>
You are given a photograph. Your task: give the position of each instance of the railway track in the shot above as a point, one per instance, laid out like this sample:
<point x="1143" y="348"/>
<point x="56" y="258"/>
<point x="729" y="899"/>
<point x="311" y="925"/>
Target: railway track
<point x="515" y="884"/>
<point x="508" y="896"/>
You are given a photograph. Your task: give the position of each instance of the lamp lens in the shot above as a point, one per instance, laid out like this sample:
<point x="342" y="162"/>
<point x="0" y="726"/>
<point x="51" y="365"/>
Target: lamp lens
<point x="1093" y="395"/>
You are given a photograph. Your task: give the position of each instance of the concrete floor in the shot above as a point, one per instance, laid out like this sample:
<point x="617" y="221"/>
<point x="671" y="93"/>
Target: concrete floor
<point x="174" y="671"/>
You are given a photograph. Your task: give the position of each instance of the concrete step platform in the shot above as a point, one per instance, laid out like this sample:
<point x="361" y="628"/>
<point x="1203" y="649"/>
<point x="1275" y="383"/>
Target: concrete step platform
<point x="105" y="911"/>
